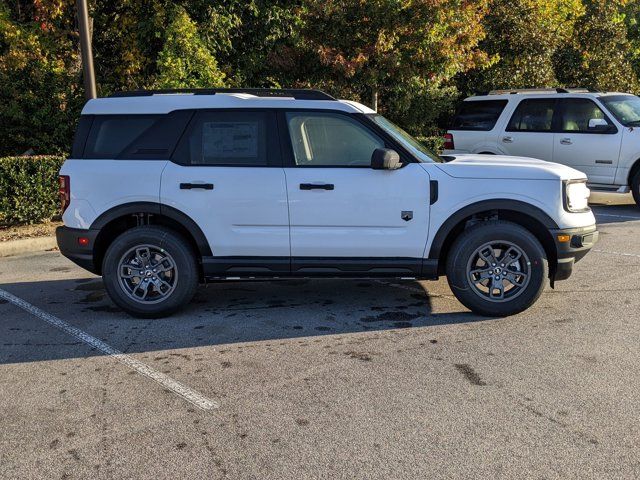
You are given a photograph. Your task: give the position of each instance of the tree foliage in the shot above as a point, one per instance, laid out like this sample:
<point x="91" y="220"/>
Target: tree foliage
<point x="417" y="57"/>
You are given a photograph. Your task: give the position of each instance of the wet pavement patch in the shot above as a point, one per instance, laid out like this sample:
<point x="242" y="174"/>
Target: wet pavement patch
<point x="470" y="374"/>
<point x="396" y="316"/>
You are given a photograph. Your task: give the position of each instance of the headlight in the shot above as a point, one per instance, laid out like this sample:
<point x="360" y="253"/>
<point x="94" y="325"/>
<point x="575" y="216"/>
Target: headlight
<point x="576" y="196"/>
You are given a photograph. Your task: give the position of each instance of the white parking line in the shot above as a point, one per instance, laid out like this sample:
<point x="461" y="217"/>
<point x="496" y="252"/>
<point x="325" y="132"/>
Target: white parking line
<point x="179" y="389"/>
<point x="630" y="217"/>
<point x="617" y="253"/>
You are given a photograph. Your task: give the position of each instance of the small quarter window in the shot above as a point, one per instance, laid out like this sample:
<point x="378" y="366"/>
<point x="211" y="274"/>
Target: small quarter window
<point x="111" y="134"/>
<point x="479" y="115"/>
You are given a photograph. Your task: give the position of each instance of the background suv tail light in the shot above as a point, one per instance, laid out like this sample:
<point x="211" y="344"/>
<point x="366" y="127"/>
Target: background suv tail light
<point x="448" y="141"/>
<point x="64" y="190"/>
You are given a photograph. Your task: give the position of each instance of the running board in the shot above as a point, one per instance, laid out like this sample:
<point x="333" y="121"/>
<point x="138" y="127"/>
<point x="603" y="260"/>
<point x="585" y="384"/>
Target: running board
<point x="598" y="187"/>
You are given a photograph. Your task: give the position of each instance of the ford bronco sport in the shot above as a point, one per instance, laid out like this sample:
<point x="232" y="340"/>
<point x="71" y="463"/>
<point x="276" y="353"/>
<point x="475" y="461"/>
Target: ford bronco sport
<point x="166" y="189"/>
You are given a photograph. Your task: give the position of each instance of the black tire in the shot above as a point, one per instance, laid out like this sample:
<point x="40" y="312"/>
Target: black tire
<point x="635" y="187"/>
<point x="461" y="262"/>
<point x="183" y="280"/>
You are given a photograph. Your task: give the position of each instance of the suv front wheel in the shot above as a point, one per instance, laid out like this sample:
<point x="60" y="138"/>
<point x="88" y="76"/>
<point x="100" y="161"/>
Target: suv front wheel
<point x="635" y="187"/>
<point x="150" y="271"/>
<point x="497" y="268"/>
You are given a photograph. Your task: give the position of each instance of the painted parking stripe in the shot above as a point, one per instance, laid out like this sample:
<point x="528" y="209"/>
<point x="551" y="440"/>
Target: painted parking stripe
<point x="630" y="217"/>
<point x="179" y="389"/>
<point x="617" y="253"/>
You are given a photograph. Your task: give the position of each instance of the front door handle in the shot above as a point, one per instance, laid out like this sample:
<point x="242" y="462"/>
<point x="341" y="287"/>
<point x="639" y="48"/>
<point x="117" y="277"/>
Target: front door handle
<point x="192" y="186"/>
<point x="316" y="186"/>
<point x="566" y="141"/>
<point x="507" y="139"/>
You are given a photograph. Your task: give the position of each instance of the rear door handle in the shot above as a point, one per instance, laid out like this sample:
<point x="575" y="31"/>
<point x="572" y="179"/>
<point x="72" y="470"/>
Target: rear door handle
<point x="316" y="186"/>
<point x="566" y="141"/>
<point x="507" y="139"/>
<point x="192" y="186"/>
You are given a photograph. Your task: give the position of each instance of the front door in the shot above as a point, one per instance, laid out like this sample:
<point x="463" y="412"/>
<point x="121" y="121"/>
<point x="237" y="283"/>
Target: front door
<point x="227" y="176"/>
<point x="344" y="216"/>
<point x="593" y="149"/>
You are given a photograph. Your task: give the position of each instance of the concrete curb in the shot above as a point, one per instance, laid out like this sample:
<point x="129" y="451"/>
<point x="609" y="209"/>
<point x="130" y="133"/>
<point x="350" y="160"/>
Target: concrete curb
<point x="27" y="245"/>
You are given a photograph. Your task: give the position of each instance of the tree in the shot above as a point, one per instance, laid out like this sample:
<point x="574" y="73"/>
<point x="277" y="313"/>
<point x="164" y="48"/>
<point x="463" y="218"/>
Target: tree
<point x="373" y="50"/>
<point x="185" y="61"/>
<point x="522" y="38"/>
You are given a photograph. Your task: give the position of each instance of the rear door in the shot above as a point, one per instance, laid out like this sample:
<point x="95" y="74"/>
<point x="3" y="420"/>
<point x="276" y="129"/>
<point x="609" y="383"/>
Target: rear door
<point x="529" y="132"/>
<point x="593" y="149"/>
<point x="226" y="175"/>
<point x="345" y="216"/>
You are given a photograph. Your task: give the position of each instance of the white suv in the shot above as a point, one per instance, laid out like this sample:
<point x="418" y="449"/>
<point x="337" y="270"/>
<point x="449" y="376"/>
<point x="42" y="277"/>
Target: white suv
<point x="167" y="189"/>
<point x="594" y="132"/>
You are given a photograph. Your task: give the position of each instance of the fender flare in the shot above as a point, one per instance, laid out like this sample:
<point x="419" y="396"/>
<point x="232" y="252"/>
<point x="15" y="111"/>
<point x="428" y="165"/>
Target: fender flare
<point x="483" y="206"/>
<point x="159" y="209"/>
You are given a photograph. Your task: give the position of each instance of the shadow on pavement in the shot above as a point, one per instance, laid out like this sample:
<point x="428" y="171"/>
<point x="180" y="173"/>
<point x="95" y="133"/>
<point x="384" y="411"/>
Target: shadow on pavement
<point x="220" y="314"/>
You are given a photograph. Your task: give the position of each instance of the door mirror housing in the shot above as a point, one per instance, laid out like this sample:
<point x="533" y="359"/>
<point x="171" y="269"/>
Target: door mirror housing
<point x="599" y="125"/>
<point x="385" y="159"/>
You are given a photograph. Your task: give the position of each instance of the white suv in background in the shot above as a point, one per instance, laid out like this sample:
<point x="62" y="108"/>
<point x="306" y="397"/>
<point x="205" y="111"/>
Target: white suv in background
<point x="597" y="133"/>
<point x="165" y="189"/>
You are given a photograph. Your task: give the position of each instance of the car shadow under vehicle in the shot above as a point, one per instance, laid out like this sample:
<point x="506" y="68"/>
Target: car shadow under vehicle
<point x="221" y="313"/>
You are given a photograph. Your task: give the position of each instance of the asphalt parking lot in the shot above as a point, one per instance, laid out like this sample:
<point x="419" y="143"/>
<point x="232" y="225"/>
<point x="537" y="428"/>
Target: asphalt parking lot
<point x="324" y="379"/>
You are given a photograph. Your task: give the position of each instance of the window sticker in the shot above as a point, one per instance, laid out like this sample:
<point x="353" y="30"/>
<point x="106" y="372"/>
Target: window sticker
<point x="230" y="139"/>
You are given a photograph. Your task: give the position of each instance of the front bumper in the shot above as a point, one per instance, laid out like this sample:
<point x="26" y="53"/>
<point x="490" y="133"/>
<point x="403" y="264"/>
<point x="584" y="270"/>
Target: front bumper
<point x="571" y="245"/>
<point x="79" y="253"/>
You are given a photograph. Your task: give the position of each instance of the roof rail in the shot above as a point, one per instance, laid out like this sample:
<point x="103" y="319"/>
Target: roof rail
<point x="297" y="93"/>
<point x="514" y="91"/>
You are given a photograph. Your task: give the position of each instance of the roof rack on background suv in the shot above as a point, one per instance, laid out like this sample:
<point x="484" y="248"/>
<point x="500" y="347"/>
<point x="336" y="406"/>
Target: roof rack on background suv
<point x="513" y="91"/>
<point x="296" y="93"/>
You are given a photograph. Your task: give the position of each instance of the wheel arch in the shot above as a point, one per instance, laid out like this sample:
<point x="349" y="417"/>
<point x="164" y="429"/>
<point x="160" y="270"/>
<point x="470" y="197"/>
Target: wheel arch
<point x="528" y="216"/>
<point x="635" y="168"/>
<point x="118" y="219"/>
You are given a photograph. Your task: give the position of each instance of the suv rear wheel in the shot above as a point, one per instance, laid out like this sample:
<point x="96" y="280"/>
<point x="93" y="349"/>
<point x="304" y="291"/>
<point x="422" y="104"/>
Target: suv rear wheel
<point x="635" y="187"/>
<point x="150" y="271"/>
<point x="497" y="268"/>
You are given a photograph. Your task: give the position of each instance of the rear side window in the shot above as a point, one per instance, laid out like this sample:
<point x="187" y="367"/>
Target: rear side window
<point x="478" y="115"/>
<point x="533" y="115"/>
<point x="110" y="135"/>
<point x="230" y="138"/>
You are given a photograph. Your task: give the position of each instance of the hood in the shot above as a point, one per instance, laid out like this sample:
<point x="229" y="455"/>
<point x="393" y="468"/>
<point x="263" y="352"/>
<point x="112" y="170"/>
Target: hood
<point x="506" y="167"/>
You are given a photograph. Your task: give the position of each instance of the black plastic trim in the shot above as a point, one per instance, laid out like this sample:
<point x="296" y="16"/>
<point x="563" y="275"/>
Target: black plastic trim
<point x="156" y="208"/>
<point x="433" y="191"/>
<point x="323" y="267"/>
<point x="297" y="93"/>
<point x="81" y="255"/>
<point x="483" y="206"/>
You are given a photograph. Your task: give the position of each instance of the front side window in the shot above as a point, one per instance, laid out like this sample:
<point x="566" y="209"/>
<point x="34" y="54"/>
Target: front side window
<point x="576" y="113"/>
<point x="238" y="138"/>
<point x="478" y="115"/>
<point x="533" y="115"/>
<point x="323" y="139"/>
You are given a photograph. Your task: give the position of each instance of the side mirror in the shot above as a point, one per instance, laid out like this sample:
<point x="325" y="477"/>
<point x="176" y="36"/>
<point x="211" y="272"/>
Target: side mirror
<point x="385" y="159"/>
<point x="598" y="124"/>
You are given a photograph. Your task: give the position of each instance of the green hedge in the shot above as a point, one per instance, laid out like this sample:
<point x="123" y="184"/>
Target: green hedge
<point x="433" y="143"/>
<point x="29" y="189"/>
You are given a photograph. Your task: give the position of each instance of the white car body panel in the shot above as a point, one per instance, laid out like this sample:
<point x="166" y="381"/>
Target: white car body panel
<point x="99" y="185"/>
<point x="361" y="217"/>
<point x="588" y="153"/>
<point x="246" y="213"/>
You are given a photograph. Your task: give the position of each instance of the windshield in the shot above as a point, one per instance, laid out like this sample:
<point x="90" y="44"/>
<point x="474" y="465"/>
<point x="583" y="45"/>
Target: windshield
<point x="626" y="108"/>
<point x="421" y="152"/>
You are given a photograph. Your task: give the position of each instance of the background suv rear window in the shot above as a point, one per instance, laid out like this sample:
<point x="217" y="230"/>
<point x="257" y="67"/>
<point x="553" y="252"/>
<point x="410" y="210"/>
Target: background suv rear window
<point x="533" y="115"/>
<point x="478" y="115"/>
